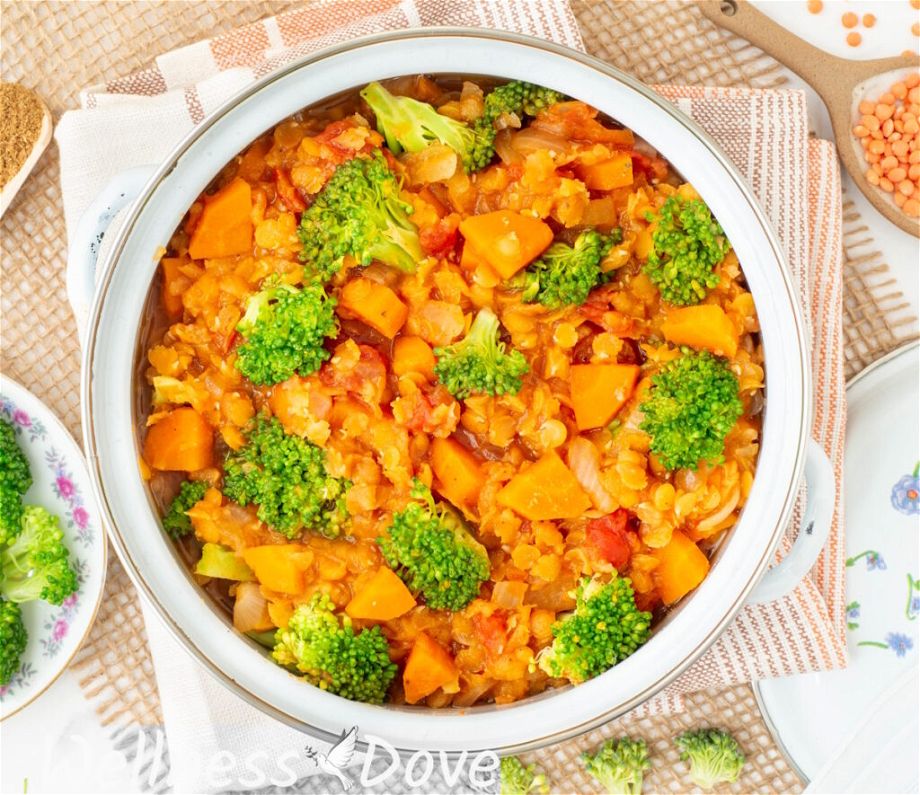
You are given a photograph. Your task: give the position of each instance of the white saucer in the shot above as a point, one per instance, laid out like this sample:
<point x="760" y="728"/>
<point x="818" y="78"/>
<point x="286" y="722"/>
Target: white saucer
<point x="61" y="484"/>
<point x="827" y="721"/>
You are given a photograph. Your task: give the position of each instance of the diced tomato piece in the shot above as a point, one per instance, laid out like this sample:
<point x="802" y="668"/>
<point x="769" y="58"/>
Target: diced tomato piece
<point x="288" y="193"/>
<point x="439" y="240"/>
<point x="492" y="632"/>
<point x="610" y="537"/>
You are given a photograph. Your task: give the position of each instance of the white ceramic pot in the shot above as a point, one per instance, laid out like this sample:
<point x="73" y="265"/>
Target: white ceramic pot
<point x="109" y="423"/>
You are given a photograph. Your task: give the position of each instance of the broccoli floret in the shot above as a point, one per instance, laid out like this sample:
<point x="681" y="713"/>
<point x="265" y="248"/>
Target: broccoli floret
<point x="479" y="363"/>
<point x="692" y="405"/>
<point x="409" y="125"/>
<point x="36" y="564"/>
<point x="13" y="639"/>
<point x="714" y="756"/>
<point x="284" y="330"/>
<point x="604" y="629"/>
<point x="687" y="244"/>
<point x="286" y="477"/>
<point x="565" y="275"/>
<point x="520" y="779"/>
<point x="15" y="480"/>
<point x="518" y="98"/>
<point x="619" y="765"/>
<point x="331" y="655"/>
<point x="430" y="548"/>
<point x="359" y="212"/>
<point x="176" y="522"/>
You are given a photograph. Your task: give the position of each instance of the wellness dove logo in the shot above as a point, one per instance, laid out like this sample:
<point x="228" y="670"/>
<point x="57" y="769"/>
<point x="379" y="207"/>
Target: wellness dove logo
<point x="338" y="758"/>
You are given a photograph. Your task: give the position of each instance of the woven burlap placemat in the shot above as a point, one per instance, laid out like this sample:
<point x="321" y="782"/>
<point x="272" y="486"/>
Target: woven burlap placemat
<point x="56" y="48"/>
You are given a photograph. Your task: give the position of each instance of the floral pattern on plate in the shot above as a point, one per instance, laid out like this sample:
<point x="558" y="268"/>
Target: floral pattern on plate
<point x="60" y="484"/>
<point x="905" y="494"/>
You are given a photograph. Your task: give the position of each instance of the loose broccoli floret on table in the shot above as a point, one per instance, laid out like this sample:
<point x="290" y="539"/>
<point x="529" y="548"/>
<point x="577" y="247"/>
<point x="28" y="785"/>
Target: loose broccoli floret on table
<point x="284" y="330"/>
<point x="431" y="549"/>
<point x="13" y="639"/>
<point x="565" y="275"/>
<point x="691" y="406"/>
<point x="286" y="477"/>
<point x="409" y="125"/>
<point x="176" y="522"/>
<point x="619" y="765"/>
<point x="687" y="244"/>
<point x="714" y="755"/>
<point x="520" y="779"/>
<point x="479" y="363"/>
<point x="359" y="212"/>
<point x="329" y="653"/>
<point x="36" y="565"/>
<point x="15" y="480"/>
<point x="604" y="629"/>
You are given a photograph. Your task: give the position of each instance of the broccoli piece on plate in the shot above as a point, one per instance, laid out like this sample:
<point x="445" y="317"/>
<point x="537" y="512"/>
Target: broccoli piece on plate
<point x="359" y="213"/>
<point x="36" y="564"/>
<point x="692" y="405"/>
<point x="565" y="275"/>
<point x="433" y="552"/>
<point x="176" y="522"/>
<point x="604" y="629"/>
<point x="409" y="125"/>
<point x="520" y="779"/>
<point x="13" y="639"/>
<point x="619" y="765"/>
<point x="714" y="756"/>
<point x="687" y="244"/>
<point x="329" y="653"/>
<point x="286" y="477"/>
<point x="15" y="480"/>
<point x="284" y="330"/>
<point x="479" y="362"/>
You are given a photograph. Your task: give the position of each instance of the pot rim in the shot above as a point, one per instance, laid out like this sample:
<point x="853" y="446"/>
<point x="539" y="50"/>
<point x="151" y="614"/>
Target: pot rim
<point x="738" y="184"/>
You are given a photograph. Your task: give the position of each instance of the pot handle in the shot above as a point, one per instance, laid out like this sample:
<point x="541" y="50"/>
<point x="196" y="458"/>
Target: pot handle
<point x="816" y="524"/>
<point x="86" y="241"/>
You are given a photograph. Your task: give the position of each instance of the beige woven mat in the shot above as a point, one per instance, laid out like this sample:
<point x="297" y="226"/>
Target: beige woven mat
<point x="57" y="48"/>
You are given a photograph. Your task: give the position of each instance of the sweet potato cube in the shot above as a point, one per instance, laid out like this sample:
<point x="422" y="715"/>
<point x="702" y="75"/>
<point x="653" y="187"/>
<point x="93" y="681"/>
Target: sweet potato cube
<point x="599" y="391"/>
<point x="225" y="227"/>
<point x="547" y="489"/>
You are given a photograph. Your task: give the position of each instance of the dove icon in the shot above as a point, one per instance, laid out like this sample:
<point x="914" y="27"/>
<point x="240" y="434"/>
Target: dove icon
<point x="338" y="758"/>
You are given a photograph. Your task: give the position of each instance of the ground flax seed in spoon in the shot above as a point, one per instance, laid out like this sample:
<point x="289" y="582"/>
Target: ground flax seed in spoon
<point x="21" y="115"/>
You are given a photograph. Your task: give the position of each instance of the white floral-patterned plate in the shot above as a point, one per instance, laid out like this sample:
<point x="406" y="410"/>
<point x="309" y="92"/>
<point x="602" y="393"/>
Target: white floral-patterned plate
<point x="813" y="715"/>
<point x="62" y="485"/>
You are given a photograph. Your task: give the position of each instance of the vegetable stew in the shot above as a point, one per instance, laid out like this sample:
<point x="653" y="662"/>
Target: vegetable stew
<point x="450" y="389"/>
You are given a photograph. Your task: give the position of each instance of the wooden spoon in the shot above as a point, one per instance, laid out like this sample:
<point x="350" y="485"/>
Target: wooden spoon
<point x="840" y="82"/>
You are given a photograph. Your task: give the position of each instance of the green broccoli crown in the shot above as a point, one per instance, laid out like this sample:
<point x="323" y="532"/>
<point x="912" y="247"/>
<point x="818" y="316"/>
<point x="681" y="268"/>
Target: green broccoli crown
<point x="619" y="765"/>
<point x="13" y="639"/>
<point x="409" y="125"/>
<point x="430" y="548"/>
<point x="15" y="480"/>
<point x="479" y="363"/>
<point x="714" y="756"/>
<point x="518" y="98"/>
<point x="176" y="522"/>
<point x="604" y="629"/>
<point x="691" y="407"/>
<point x="565" y="275"/>
<point x="285" y="329"/>
<point x="332" y="656"/>
<point x="359" y="212"/>
<point x="520" y="779"/>
<point x="687" y="244"/>
<point x="286" y="477"/>
<point x="36" y="563"/>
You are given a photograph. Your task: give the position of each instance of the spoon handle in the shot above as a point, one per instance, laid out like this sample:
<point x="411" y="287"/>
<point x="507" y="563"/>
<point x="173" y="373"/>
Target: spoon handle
<point x="826" y="73"/>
